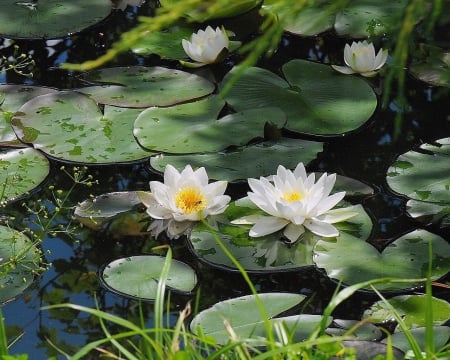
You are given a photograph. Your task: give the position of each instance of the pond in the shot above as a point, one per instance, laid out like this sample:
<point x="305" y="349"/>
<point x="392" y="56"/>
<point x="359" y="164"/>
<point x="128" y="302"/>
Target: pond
<point x="367" y="145"/>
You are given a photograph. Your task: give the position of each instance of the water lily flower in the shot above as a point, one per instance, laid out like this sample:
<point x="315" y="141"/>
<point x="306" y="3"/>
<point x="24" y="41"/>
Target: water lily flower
<point x="207" y="46"/>
<point x="182" y="199"/>
<point x="360" y="58"/>
<point x="294" y="201"/>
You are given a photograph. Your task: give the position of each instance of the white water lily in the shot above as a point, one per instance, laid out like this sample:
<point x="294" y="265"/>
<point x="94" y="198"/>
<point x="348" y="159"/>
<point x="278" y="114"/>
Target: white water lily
<point x="360" y="58"/>
<point x="182" y="199"/>
<point x="206" y="46"/>
<point x="294" y="202"/>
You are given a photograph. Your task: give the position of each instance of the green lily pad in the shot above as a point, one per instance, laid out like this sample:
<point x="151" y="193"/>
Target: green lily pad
<point x="71" y="127"/>
<point x="441" y="335"/>
<point x="138" y="276"/>
<point x="263" y="254"/>
<point x="12" y="97"/>
<point x="352" y="261"/>
<point x="423" y="175"/>
<point x="355" y="329"/>
<point x="363" y="18"/>
<point x="117" y="213"/>
<point x="193" y="127"/>
<point x="233" y="8"/>
<point x="314" y="97"/>
<point x="411" y="308"/>
<point x="50" y="18"/>
<point x="22" y="170"/>
<point x="312" y="19"/>
<point x="429" y="212"/>
<point x="434" y="69"/>
<point x="264" y="157"/>
<point x="243" y="315"/>
<point x="142" y="87"/>
<point x="19" y="262"/>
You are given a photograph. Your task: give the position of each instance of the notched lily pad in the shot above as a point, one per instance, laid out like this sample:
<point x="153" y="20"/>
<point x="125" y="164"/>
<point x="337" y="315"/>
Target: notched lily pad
<point x="315" y="99"/>
<point x="142" y="87"/>
<point x="19" y="261"/>
<point x="138" y="276"/>
<point x="21" y="171"/>
<point x="264" y="157"/>
<point x="268" y="253"/>
<point x="70" y="126"/>
<point x="50" y="18"/>
<point x="351" y="260"/>
<point x="243" y="315"/>
<point x="117" y="213"/>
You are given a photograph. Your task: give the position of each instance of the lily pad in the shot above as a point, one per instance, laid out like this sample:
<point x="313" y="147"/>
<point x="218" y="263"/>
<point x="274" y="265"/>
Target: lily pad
<point x="70" y="126"/>
<point x="429" y="212"/>
<point x="434" y="69"/>
<point x="243" y="315"/>
<point x="116" y="213"/>
<point x="441" y="335"/>
<point x="12" y="98"/>
<point x="50" y="18"/>
<point x="264" y="157"/>
<point x="193" y="127"/>
<point x="355" y="329"/>
<point x="411" y="308"/>
<point x="351" y="260"/>
<point x="20" y="260"/>
<point x="137" y="276"/>
<point x="22" y="170"/>
<point x="423" y="175"/>
<point x="315" y="99"/>
<point x="142" y="87"/>
<point x="364" y="18"/>
<point x="263" y="254"/>
<point x="368" y="350"/>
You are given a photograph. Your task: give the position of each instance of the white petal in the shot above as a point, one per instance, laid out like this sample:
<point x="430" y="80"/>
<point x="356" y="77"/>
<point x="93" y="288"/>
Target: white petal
<point x="267" y="225"/>
<point x="146" y="198"/>
<point x="216" y="188"/>
<point x="380" y="58"/>
<point x="321" y="228"/>
<point x="300" y="171"/>
<point x="329" y="202"/>
<point x="218" y="206"/>
<point x="293" y="232"/>
<point x="157" y="211"/>
<point x="176" y="229"/>
<point x="247" y="220"/>
<point x="343" y="69"/>
<point x="171" y="176"/>
<point x="338" y="215"/>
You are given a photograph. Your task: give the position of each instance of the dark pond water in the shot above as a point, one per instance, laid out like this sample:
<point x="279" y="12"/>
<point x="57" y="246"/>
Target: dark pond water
<point x="364" y="155"/>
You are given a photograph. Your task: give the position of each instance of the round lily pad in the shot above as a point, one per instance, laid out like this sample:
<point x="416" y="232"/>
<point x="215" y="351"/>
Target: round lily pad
<point x="267" y="253"/>
<point x="12" y="98"/>
<point x="50" y="18"/>
<point x="423" y="175"/>
<point x="142" y="87"/>
<point x="138" y="276"/>
<point x="411" y="308"/>
<point x="19" y="262"/>
<point x="434" y="69"/>
<point x="194" y="127"/>
<point x="70" y="126"/>
<point x="352" y="261"/>
<point x="22" y="170"/>
<point x="264" y="157"/>
<point x="243" y="315"/>
<point x="314" y="97"/>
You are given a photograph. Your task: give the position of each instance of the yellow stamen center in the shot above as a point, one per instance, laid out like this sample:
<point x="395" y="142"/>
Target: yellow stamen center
<point x="190" y="200"/>
<point x="292" y="196"/>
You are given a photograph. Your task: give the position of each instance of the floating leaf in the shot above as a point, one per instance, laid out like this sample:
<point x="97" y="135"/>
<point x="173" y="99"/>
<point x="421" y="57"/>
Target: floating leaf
<point x="50" y="18"/>
<point x="429" y="212"/>
<point x="423" y="175"/>
<point x="142" y="87"/>
<point x="434" y="69"/>
<point x="368" y="350"/>
<point x="138" y="276"/>
<point x="441" y="336"/>
<point x="314" y="97"/>
<point x="264" y="157"/>
<point x="70" y="126"/>
<point x="19" y="260"/>
<point x="22" y="170"/>
<point x="352" y="261"/>
<point x="411" y="308"/>
<point x="12" y="98"/>
<point x="355" y="329"/>
<point x="364" y="18"/>
<point x="263" y="254"/>
<point x="114" y="212"/>
<point x="243" y="315"/>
